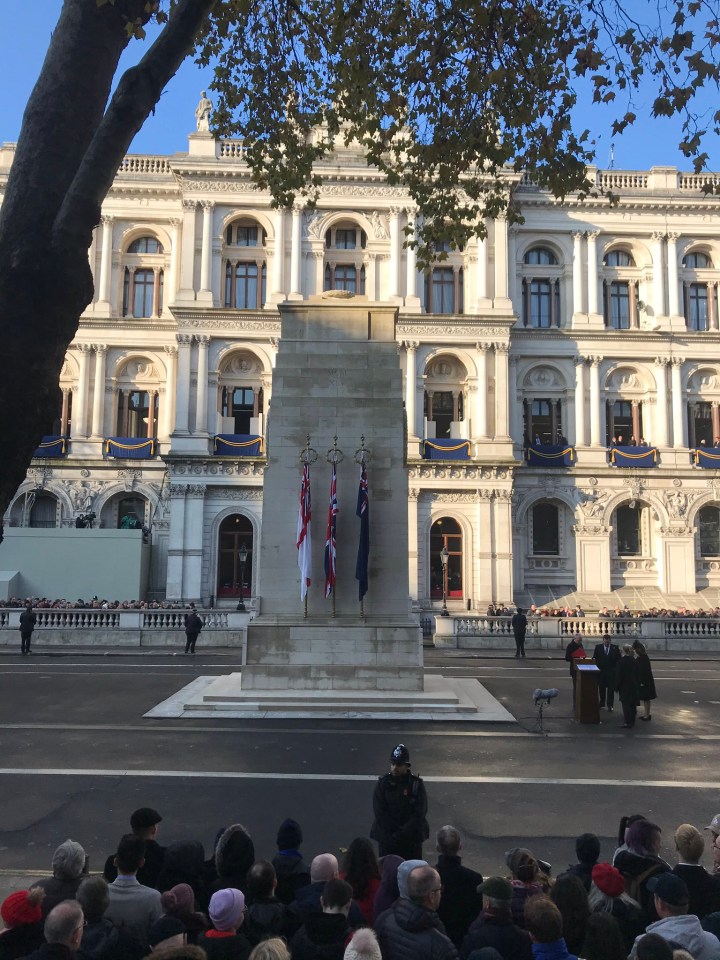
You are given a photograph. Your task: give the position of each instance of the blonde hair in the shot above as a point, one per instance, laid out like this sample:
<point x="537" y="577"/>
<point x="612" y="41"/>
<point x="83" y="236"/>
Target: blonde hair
<point x="274" y="949"/>
<point x="690" y="842"/>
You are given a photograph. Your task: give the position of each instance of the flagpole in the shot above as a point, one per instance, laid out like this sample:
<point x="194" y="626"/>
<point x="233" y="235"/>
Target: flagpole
<point x="304" y="543"/>
<point x="334" y="457"/>
<point x="362" y="455"/>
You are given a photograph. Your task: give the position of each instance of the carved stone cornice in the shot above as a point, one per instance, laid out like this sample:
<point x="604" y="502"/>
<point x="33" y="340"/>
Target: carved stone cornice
<point x="214" y="467"/>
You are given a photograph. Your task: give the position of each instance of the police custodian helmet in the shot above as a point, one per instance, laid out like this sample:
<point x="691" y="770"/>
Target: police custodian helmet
<point x="400" y="754"/>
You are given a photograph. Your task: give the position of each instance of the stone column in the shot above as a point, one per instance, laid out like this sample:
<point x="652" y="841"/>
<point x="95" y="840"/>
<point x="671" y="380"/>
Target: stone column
<point x="295" y="253"/>
<point x="411" y="297"/>
<point x="658" y="279"/>
<point x="79" y="413"/>
<point x="106" y="259"/>
<point x="411" y="386"/>
<point x="577" y="273"/>
<point x="370" y="275"/>
<point x="481" y="418"/>
<point x="502" y="544"/>
<point x="192" y="549"/>
<point x="660" y="435"/>
<point x="318" y="257"/>
<point x="580" y="436"/>
<point x="171" y="288"/>
<point x="516" y="408"/>
<point x="635" y="413"/>
<point x="501" y="391"/>
<point x="678" y="404"/>
<point x="413" y="545"/>
<point x="171" y="354"/>
<point x="98" y="413"/>
<point x="182" y="395"/>
<point x="205" y="292"/>
<point x="65" y="410"/>
<point x="278" y="294"/>
<point x="592" y="272"/>
<point x="596" y="438"/>
<point x="482" y="276"/>
<point x="486" y="550"/>
<point x="512" y="265"/>
<point x="592" y="557"/>
<point x="673" y="292"/>
<point x="186" y="292"/>
<point x="176" y="541"/>
<point x="201" y="416"/>
<point x="501" y="259"/>
<point x="715" y="413"/>
<point x="394" y="291"/>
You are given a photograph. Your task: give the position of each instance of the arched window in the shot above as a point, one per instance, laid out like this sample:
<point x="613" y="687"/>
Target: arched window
<point x="540" y="289"/>
<point x="146" y="245"/>
<point x="699" y="292"/>
<point x="543" y="420"/>
<point x="618" y="258"/>
<point x="620" y="290"/>
<point x="697" y="261"/>
<point x="131" y="513"/>
<point x="709" y="530"/>
<point x="545" y="530"/>
<point x="446" y="532"/>
<point x="629" y="531"/>
<point x="43" y="512"/>
<point x="143" y="279"/>
<point x="235" y="553"/>
<point x="540" y="256"/>
<point x="245" y="234"/>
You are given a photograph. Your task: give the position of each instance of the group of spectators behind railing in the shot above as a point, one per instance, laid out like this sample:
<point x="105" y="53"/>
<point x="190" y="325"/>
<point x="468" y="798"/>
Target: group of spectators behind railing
<point x="44" y="603"/>
<point x="605" y="613"/>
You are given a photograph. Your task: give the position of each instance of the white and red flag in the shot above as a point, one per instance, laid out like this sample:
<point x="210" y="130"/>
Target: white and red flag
<point x="304" y="540"/>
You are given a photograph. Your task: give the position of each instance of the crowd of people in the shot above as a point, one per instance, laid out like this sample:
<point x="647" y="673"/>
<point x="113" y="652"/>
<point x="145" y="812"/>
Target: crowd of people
<point x="44" y="603"/>
<point x="171" y="903"/>
<point x="535" y="612"/>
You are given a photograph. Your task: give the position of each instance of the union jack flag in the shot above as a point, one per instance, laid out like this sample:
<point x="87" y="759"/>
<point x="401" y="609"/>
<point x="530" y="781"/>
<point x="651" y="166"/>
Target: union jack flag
<point x="330" y="544"/>
<point x="304" y="541"/>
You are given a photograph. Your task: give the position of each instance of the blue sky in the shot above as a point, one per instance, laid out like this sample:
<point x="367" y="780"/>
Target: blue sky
<point x="22" y="48"/>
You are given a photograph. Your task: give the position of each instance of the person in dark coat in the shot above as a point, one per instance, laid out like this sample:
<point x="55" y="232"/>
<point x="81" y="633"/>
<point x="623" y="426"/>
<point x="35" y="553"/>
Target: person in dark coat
<point x="587" y="851"/>
<point x="291" y="870"/>
<point x="646" y="681"/>
<point x="266" y="915"/>
<point x="144" y="824"/>
<point x="234" y="855"/>
<point x="21" y="913"/>
<point x="309" y="898"/>
<point x="179" y="902"/>
<point x="388" y="891"/>
<point x="400" y="808"/>
<point x="703" y="887"/>
<point x="412" y="928"/>
<point x="226" y="941"/>
<point x="64" y="928"/>
<point x="184" y="862"/>
<point x="460" y="902"/>
<point x="641" y="861"/>
<point x="519" y="629"/>
<point x="27" y="625"/>
<point x="101" y="939"/>
<point x="626" y="685"/>
<point x="494" y="927"/>
<point x="324" y="936"/>
<point x="68" y="865"/>
<point x="193" y="626"/>
<point x="606" y="656"/>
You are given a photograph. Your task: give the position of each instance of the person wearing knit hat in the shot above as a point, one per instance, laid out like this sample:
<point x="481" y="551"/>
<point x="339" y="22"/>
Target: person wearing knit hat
<point x="607" y="895"/>
<point x="69" y="867"/>
<point x="22" y="916"/>
<point x="494" y="926"/>
<point x="290" y="869"/>
<point x="167" y="932"/>
<point x="363" y="946"/>
<point x="403" y="872"/>
<point x="179" y="902"/>
<point x="226" y="940"/>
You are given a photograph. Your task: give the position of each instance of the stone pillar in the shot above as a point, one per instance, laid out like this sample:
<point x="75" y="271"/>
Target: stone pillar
<point x="296" y="253"/>
<point x="65" y="410"/>
<point x="486" y="549"/>
<point x="201" y="406"/>
<point x="715" y="412"/>
<point x="596" y="438"/>
<point x="411" y="387"/>
<point x="635" y="413"/>
<point x="192" y="548"/>
<point x="592" y="273"/>
<point x="676" y="555"/>
<point x="319" y="259"/>
<point x="502" y="545"/>
<point x="176" y="541"/>
<point x="577" y="273"/>
<point x="658" y="285"/>
<point x="592" y="557"/>
<point x="278" y="294"/>
<point x="501" y="391"/>
<point x="501" y="260"/>
<point x="516" y="406"/>
<point x="580" y="436"/>
<point x="413" y="544"/>
<point x="512" y="265"/>
<point x="205" y="292"/>
<point x="678" y="403"/>
<point x="370" y="275"/>
<point x="79" y="413"/>
<point x="482" y="275"/>
<point x="673" y="291"/>
<point x="171" y="354"/>
<point x="98" y="413"/>
<point x="394" y="292"/>
<point x="171" y="288"/>
<point x="481" y="417"/>
<point x="411" y="297"/>
<point x="182" y="395"/>
<point x="186" y="293"/>
<point x="660" y="435"/>
<point x="106" y="262"/>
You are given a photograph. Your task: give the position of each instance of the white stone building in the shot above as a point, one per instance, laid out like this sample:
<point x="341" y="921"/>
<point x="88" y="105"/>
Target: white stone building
<point x="587" y="322"/>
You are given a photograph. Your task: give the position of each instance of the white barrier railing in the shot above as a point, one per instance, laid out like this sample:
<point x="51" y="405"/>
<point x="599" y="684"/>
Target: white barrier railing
<point x="643" y="628"/>
<point x="81" y="619"/>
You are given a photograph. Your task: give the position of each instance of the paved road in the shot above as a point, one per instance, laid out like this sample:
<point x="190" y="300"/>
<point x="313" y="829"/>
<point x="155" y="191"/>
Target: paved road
<point x="77" y="756"/>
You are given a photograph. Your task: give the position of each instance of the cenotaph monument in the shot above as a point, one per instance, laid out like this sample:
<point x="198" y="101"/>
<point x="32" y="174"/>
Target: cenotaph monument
<point x="337" y="389"/>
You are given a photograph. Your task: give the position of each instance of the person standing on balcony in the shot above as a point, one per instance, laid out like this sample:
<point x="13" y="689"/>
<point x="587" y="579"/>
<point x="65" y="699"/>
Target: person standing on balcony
<point x="519" y="629"/>
<point x="27" y="625"/>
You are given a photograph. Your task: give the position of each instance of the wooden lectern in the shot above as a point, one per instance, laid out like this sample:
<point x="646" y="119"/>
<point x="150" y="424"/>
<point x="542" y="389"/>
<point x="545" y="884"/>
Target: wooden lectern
<point x="587" y="700"/>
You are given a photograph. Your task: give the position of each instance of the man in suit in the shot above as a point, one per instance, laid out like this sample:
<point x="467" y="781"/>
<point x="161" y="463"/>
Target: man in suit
<point x="606" y="657"/>
<point x="461" y="902"/>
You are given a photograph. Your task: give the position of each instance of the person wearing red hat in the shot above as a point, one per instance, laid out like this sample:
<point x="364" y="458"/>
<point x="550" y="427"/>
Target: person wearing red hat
<point x="607" y="895"/>
<point x="22" y="915"/>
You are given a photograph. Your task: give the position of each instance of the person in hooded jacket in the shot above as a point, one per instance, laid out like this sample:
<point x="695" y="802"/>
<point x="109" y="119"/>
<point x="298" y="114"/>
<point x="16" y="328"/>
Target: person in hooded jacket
<point x="412" y="929"/>
<point x="291" y="870"/>
<point x="681" y="929"/>
<point x="184" y="862"/>
<point x="640" y="862"/>
<point x="101" y="939"/>
<point x="325" y="935"/>
<point x="234" y="855"/>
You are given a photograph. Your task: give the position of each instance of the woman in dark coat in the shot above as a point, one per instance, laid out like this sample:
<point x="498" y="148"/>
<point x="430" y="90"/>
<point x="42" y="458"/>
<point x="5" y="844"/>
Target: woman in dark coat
<point x="646" y="680"/>
<point x="627" y="686"/>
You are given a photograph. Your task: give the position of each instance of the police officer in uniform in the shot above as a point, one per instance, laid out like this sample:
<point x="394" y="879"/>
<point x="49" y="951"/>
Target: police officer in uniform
<point x="400" y="808"/>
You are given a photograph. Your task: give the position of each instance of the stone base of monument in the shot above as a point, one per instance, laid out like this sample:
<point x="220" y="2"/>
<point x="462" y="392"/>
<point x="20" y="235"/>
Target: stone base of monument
<point x="442" y="698"/>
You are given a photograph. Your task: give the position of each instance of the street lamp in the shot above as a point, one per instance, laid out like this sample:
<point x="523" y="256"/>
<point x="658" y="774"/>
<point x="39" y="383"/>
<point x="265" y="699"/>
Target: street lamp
<point x="242" y="558"/>
<point x="444" y="557"/>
